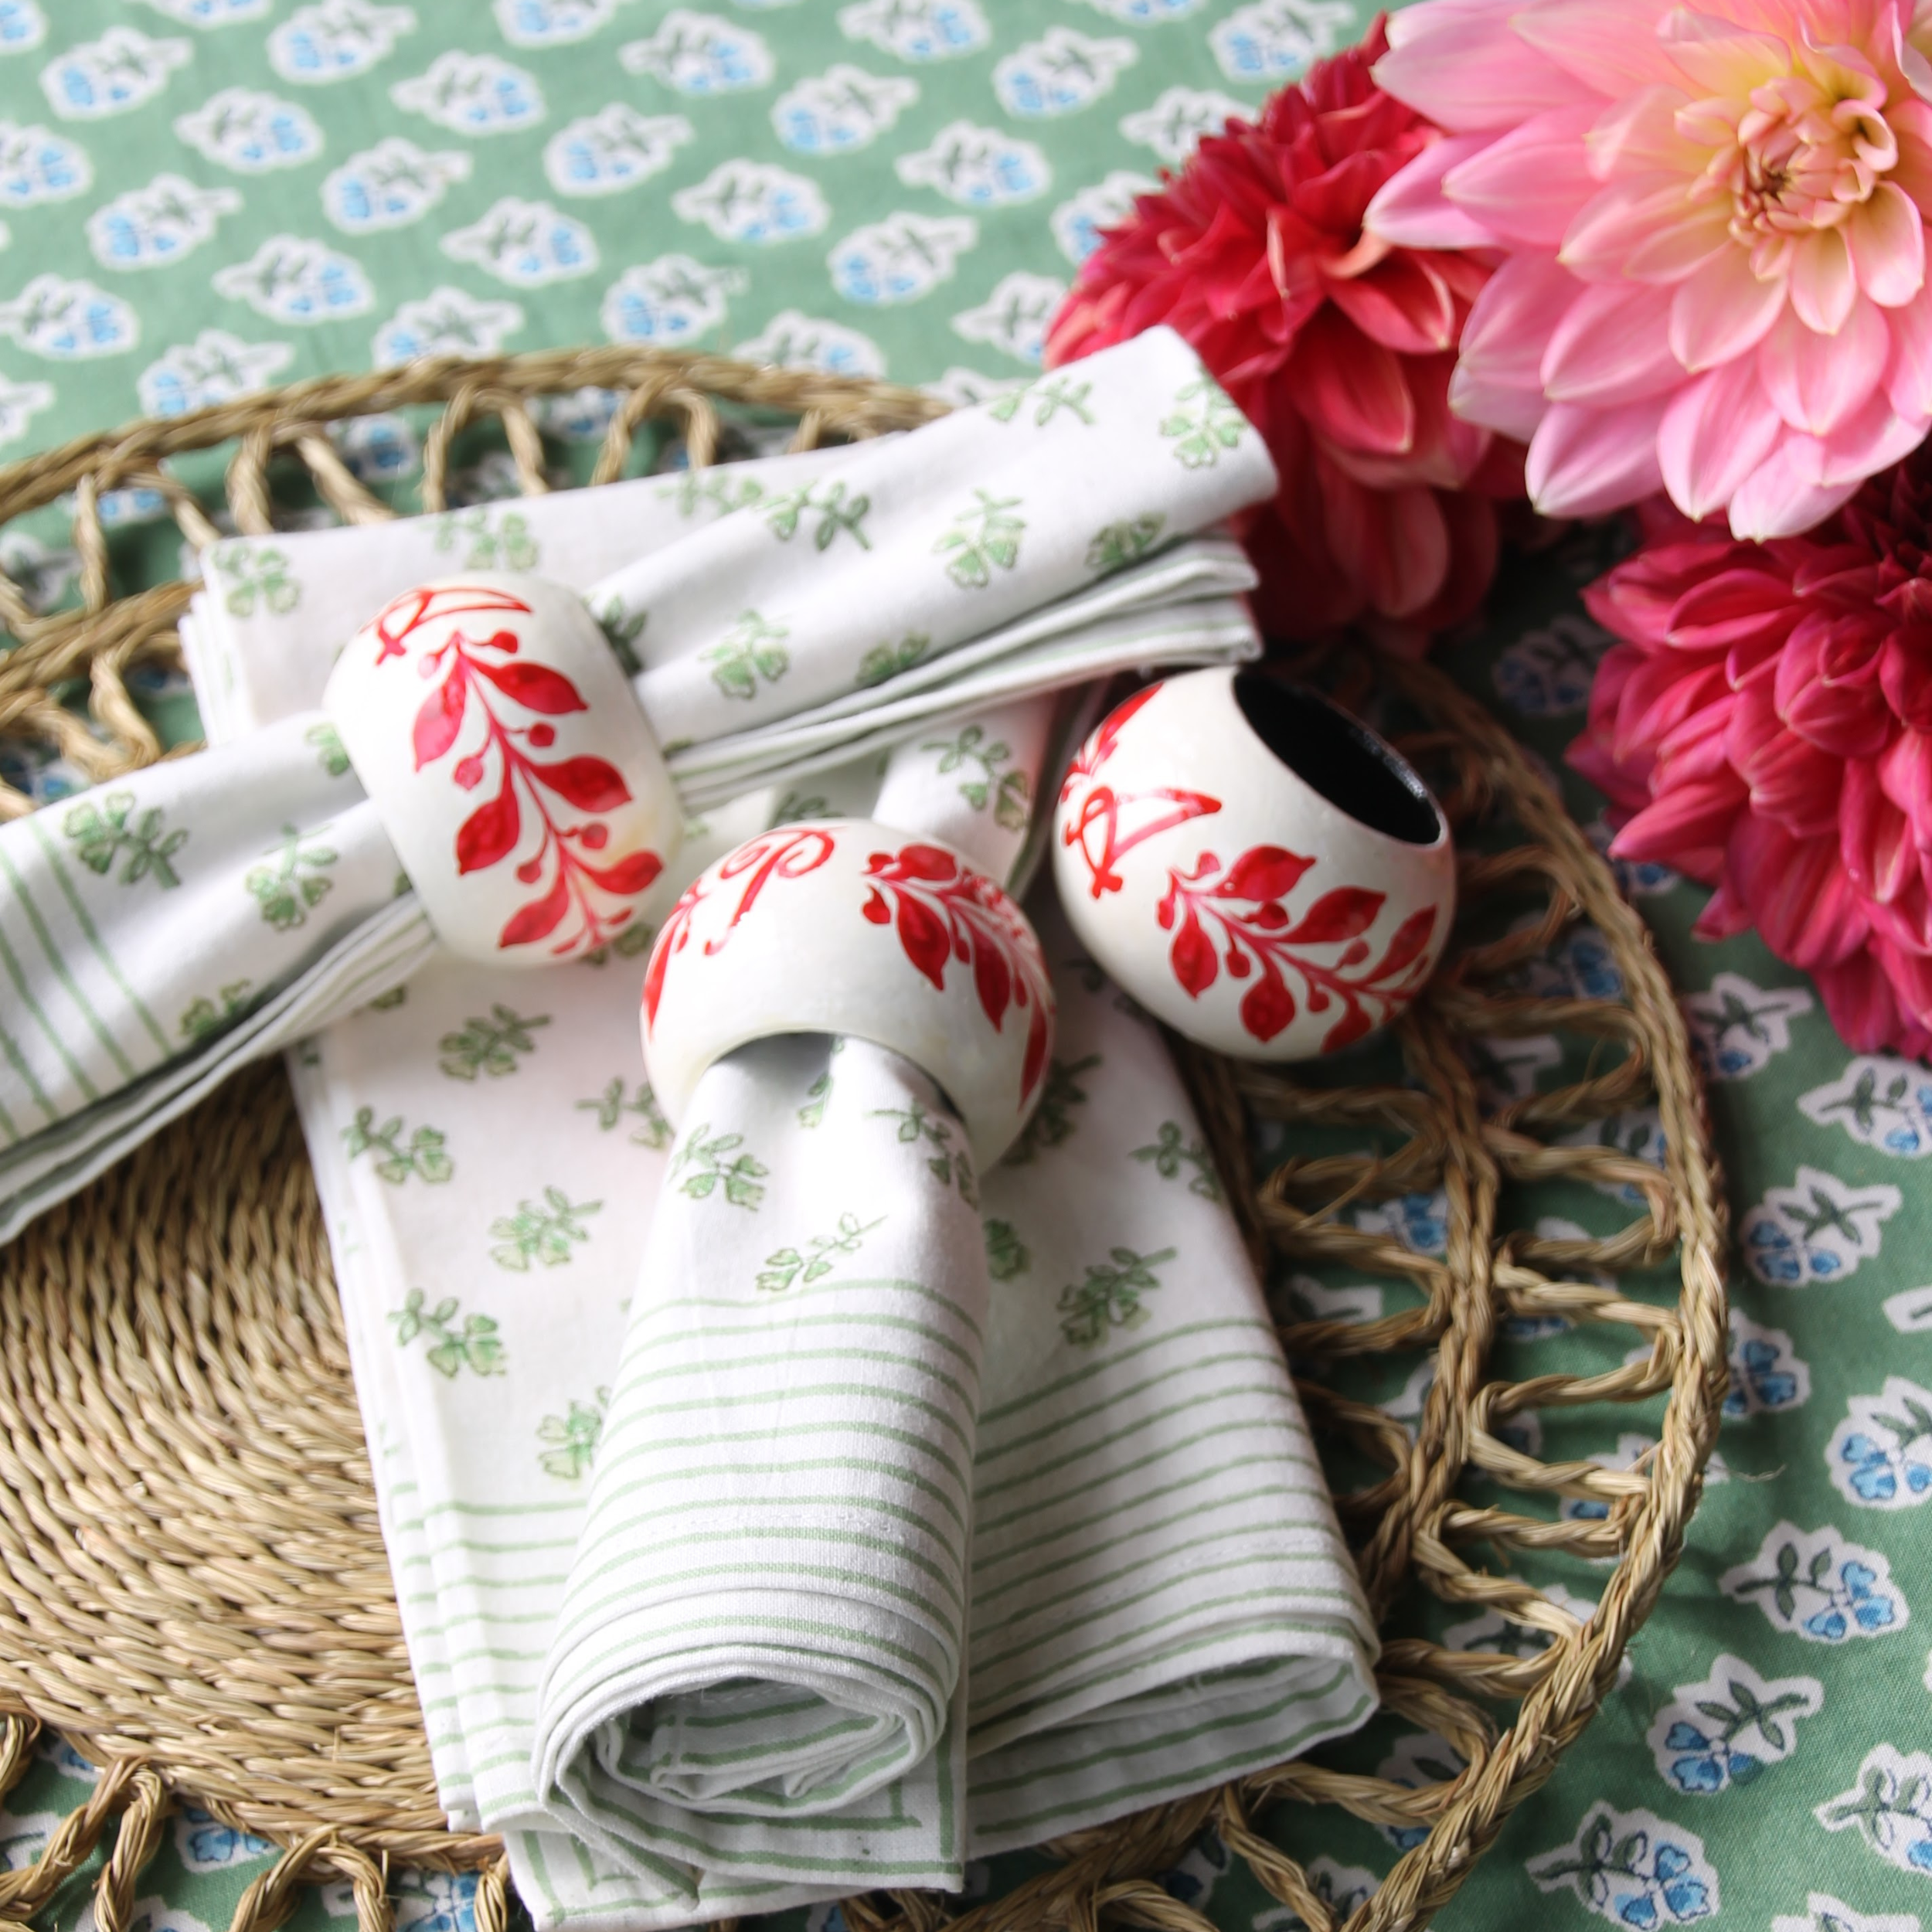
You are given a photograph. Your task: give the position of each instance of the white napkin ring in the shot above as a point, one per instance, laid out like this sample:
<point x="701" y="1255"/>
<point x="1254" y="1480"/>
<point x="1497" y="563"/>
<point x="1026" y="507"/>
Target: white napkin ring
<point x="848" y="927"/>
<point x="1256" y="868"/>
<point x="515" y="772"/>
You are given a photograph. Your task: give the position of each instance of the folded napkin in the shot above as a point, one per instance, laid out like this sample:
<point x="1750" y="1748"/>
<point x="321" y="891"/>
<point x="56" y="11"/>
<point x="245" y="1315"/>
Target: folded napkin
<point x="787" y="615"/>
<point x="687" y="1626"/>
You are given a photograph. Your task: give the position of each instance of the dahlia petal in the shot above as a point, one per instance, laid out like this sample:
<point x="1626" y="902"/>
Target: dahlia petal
<point x="1744" y="606"/>
<point x="1401" y="304"/>
<point x="1353" y="391"/>
<point x="1682" y="819"/>
<point x="1393" y="543"/>
<point x="1908" y="380"/>
<point x="1720" y="59"/>
<point x="1648" y="215"/>
<point x="1905" y="774"/>
<point x="1612" y="345"/>
<point x="1875" y="841"/>
<point x="1716" y="430"/>
<point x="1779" y="498"/>
<point x="1816" y="381"/>
<point x="1791" y="780"/>
<point x="1639" y="134"/>
<point x="1887" y="242"/>
<point x="1912" y="171"/>
<point x="1608" y="48"/>
<point x="1410" y="210"/>
<point x="1722" y="310"/>
<point x="1823" y="287"/>
<point x="1583" y="461"/>
<point x="1912" y="61"/>
<point x="1497" y="382"/>
<point x="1860" y="1004"/>
<point x="1470" y="71"/>
<point x="1528" y="186"/>
<point x="1801" y="902"/>
<point x="1864" y="444"/>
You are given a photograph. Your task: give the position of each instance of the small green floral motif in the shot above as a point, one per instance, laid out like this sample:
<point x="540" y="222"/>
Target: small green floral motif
<point x="570" y="1441"/>
<point x="1169" y="1156"/>
<point x="1204" y="423"/>
<point x="1120" y="544"/>
<point x="720" y="488"/>
<point x="1110" y="1297"/>
<point x="821" y="1253"/>
<point x="256" y="577"/>
<point x="294" y="885"/>
<point x="1049" y="395"/>
<point x="497" y="539"/>
<point x="329" y="753"/>
<point x="101" y="833"/>
<point x="796" y="806"/>
<point x="476" y="1345"/>
<point x="623" y="628"/>
<point x="489" y="1045"/>
<point x="610" y="1107"/>
<point x="827" y="503"/>
<point x="632" y="941"/>
<point x="949" y="1166"/>
<point x="1010" y="792"/>
<point x="884" y="661"/>
<point x="422" y="1155"/>
<point x="1053" y="1120"/>
<point x="817" y="1097"/>
<point x="387" y="1002"/>
<point x="204" y="1017"/>
<point x="746" y="652"/>
<point x="1006" y="1254"/>
<point x="987" y="540"/>
<point x="541" y="1234"/>
<point x="709" y="1164"/>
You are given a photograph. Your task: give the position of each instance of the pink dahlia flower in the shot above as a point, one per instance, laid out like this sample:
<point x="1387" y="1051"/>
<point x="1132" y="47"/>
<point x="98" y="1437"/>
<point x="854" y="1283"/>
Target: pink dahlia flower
<point x="1714" y="230"/>
<point x="1338" y="345"/>
<point x="1766" y="723"/>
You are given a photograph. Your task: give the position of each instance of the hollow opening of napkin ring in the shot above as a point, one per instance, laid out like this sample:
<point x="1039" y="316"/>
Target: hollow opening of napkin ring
<point x="1340" y="758"/>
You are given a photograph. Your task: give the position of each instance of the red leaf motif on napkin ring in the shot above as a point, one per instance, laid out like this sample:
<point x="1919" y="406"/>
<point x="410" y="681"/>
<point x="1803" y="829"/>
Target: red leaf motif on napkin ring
<point x="1243" y="906"/>
<point x="789" y="854"/>
<point x="485" y="673"/>
<point x="945" y="912"/>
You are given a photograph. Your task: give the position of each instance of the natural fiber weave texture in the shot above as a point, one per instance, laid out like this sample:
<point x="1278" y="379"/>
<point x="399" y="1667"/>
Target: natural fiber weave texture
<point x="198" y="1595"/>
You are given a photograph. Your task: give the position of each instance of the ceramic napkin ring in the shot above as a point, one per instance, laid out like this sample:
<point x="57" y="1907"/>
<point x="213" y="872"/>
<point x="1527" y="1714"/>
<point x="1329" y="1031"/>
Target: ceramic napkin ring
<point x="847" y="927"/>
<point x="515" y="772"/>
<point x="1256" y="868"/>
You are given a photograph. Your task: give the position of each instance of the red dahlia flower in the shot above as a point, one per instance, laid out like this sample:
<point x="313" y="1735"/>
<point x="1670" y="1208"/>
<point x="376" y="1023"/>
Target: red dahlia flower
<point x="1766" y="722"/>
<point x="1337" y="344"/>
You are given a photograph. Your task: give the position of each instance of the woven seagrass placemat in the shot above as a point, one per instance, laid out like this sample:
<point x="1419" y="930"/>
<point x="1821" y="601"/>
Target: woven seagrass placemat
<point x="195" y="1593"/>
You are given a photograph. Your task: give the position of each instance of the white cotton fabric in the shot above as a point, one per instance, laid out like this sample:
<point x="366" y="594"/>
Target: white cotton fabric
<point x="789" y="615"/>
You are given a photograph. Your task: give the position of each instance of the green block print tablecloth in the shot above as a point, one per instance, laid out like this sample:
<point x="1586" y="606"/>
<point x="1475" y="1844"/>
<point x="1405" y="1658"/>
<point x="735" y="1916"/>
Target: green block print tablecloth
<point x="205" y="196"/>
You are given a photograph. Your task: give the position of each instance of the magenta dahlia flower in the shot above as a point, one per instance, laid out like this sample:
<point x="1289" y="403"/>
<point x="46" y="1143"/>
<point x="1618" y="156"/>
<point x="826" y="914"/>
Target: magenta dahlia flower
<point x="1338" y="347"/>
<point x="1765" y="723"/>
<point x="1713" y="228"/>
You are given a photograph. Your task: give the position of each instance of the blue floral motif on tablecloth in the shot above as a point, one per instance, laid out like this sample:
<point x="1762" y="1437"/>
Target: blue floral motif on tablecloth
<point x="1889" y="1807"/>
<point x="1738" y="1027"/>
<point x="1766" y="1373"/>
<point x="1880" y="1456"/>
<point x="1819" y="1229"/>
<point x="1633" y="1868"/>
<point x="1730" y="1727"/>
<point x="1819" y="1585"/>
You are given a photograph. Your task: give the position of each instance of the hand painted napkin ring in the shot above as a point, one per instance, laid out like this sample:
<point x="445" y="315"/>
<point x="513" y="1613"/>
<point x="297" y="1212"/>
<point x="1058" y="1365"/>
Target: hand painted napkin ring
<point x="516" y="774"/>
<point x="1256" y="868"/>
<point x="847" y="927"/>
